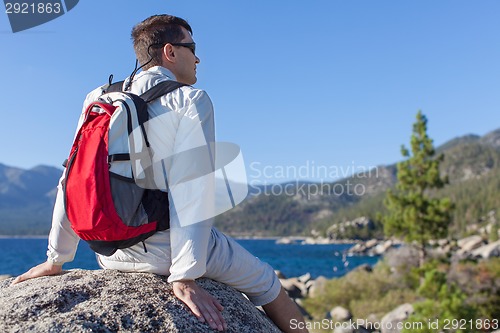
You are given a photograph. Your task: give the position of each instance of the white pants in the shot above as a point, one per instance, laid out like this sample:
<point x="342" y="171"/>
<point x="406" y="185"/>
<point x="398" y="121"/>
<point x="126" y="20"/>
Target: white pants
<point x="227" y="262"/>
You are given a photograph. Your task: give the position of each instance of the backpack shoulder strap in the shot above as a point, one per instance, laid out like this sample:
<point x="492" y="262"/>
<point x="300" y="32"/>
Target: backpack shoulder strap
<point x="157" y="91"/>
<point x="115" y="87"/>
<point x="161" y="89"/>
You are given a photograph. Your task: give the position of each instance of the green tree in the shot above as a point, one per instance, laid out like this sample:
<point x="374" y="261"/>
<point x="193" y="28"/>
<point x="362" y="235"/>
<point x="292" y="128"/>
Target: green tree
<point x="412" y="211"/>
<point x="444" y="304"/>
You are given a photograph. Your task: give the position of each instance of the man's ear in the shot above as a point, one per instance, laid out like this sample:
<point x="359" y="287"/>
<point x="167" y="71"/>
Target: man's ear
<point x="168" y="53"/>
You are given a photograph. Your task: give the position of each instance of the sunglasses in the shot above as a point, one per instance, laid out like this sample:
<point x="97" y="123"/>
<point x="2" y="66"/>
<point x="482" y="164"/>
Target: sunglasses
<point x="191" y="46"/>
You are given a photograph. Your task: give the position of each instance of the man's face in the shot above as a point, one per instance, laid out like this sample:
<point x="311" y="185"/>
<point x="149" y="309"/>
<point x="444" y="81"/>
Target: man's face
<point x="185" y="67"/>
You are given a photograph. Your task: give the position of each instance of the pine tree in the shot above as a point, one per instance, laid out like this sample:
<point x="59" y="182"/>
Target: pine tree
<point x="412" y="210"/>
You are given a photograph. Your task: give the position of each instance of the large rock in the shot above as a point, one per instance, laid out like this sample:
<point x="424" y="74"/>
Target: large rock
<point x="339" y="313"/>
<point x="487" y="251"/>
<point x="470" y="243"/>
<point x="394" y="318"/>
<point x="110" y="301"/>
<point x="467" y="245"/>
<point x="287" y="240"/>
<point x="383" y="247"/>
<point x="372" y="247"/>
<point x="305" y="278"/>
<point x="316" y="287"/>
<point x="371" y="243"/>
<point x="294" y="287"/>
<point x="338" y="230"/>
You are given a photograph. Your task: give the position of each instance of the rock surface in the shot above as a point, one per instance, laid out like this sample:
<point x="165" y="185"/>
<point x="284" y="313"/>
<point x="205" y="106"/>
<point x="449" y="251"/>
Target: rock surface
<point x="470" y="243"/>
<point x="372" y="247"/>
<point x="110" y="301"/>
<point x="317" y="286"/>
<point x="339" y="313"/>
<point x="394" y="318"/>
<point x="338" y="230"/>
<point x="487" y="251"/>
<point x="294" y="288"/>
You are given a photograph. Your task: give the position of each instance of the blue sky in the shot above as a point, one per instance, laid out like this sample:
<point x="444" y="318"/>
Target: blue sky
<point x="317" y="84"/>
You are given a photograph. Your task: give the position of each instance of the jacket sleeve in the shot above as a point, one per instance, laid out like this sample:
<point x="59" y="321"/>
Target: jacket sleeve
<point x="63" y="241"/>
<point x="191" y="184"/>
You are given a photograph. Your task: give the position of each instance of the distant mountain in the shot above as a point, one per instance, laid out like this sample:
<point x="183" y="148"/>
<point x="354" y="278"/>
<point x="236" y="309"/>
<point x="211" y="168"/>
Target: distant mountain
<point x="470" y="138"/>
<point x="20" y="187"/>
<point x="492" y="139"/>
<point x="26" y="199"/>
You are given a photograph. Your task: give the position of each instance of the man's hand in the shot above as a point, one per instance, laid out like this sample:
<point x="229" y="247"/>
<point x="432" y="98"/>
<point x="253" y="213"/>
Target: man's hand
<point x="205" y="307"/>
<point x="44" y="269"/>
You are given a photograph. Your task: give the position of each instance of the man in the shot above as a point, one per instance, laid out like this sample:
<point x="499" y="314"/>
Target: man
<point x="191" y="248"/>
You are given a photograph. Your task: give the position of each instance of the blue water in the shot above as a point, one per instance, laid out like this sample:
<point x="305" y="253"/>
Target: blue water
<point x="20" y="254"/>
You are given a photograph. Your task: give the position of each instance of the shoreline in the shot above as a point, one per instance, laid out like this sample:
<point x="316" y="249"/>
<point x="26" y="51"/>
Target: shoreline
<point x="24" y="236"/>
<point x="294" y="239"/>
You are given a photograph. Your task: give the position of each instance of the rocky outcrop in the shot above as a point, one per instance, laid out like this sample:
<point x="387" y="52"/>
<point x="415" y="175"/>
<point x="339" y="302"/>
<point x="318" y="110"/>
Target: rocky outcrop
<point x="338" y="230"/>
<point x="476" y="247"/>
<point x="288" y="240"/>
<point x="294" y="287"/>
<point x="297" y="287"/>
<point x="339" y="313"/>
<point x="110" y="301"/>
<point x="394" y="318"/>
<point x="487" y="251"/>
<point x="317" y="240"/>
<point x="372" y="247"/>
<point x="317" y="286"/>
<point x="469" y="243"/>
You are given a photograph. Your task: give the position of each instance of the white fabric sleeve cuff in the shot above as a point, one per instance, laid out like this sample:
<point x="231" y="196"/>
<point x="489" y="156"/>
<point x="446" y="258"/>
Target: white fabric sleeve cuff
<point x="63" y="241"/>
<point x="190" y="246"/>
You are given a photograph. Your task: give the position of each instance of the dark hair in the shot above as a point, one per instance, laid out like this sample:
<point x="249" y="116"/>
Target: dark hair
<point x="150" y="35"/>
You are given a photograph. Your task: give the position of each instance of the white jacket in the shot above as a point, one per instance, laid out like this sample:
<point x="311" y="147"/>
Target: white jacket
<point x="181" y="121"/>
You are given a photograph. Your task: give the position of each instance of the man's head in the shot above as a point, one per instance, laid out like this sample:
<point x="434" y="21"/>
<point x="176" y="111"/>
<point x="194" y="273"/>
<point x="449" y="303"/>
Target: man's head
<point x="165" y="40"/>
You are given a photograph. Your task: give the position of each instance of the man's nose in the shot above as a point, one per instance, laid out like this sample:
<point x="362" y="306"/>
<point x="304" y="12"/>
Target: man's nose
<point x="197" y="59"/>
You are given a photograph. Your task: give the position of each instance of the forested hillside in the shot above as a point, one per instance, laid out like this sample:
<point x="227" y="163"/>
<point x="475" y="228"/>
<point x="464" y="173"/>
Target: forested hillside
<point x="471" y="163"/>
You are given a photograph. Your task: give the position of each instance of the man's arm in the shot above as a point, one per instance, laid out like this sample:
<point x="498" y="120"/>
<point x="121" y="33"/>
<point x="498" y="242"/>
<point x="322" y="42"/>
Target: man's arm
<point x="192" y="204"/>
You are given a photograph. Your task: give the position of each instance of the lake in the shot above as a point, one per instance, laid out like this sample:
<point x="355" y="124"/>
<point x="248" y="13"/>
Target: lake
<point x="329" y="260"/>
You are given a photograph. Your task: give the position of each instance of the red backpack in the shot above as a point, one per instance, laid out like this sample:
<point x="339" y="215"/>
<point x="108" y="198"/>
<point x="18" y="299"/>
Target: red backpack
<point x="107" y="210"/>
